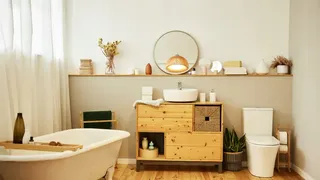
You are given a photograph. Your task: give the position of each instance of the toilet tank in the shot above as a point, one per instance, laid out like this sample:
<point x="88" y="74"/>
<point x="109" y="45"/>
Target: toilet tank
<point x="258" y="121"/>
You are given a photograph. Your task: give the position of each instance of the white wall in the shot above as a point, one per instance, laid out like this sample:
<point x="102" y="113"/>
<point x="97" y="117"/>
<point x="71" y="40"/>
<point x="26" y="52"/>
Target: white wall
<point x="246" y="30"/>
<point x="305" y="52"/>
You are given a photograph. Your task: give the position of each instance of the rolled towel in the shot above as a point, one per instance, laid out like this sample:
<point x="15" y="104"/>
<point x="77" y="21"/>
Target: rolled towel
<point x="283" y="148"/>
<point x="283" y="137"/>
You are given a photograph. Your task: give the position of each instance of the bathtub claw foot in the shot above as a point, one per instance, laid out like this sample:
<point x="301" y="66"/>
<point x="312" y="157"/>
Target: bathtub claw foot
<point x="109" y="173"/>
<point x="105" y="176"/>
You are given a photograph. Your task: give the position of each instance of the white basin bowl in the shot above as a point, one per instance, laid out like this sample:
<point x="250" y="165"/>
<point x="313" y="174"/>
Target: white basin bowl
<point x="183" y="95"/>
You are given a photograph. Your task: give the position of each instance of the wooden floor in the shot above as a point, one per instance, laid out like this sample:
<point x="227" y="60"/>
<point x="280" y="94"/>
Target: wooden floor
<point x="124" y="172"/>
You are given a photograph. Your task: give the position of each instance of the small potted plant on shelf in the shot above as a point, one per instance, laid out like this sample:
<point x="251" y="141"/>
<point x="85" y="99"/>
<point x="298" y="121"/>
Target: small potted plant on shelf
<point x="233" y="150"/>
<point x="282" y="64"/>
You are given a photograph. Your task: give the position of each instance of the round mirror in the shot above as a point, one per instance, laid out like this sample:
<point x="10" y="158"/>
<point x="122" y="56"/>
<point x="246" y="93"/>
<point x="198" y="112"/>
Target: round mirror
<point x="175" y="52"/>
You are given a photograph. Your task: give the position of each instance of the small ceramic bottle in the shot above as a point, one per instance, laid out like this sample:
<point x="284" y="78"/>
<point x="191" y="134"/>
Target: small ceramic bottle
<point x="31" y="141"/>
<point x="212" y="97"/>
<point x="151" y="145"/>
<point x="19" y="129"/>
<point x="148" y="69"/>
<point x="193" y="71"/>
<point x="262" y="68"/>
<point x="144" y="143"/>
<point x="26" y="136"/>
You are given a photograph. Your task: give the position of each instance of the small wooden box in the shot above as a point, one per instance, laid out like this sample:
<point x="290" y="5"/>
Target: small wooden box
<point x="208" y="118"/>
<point x="149" y="154"/>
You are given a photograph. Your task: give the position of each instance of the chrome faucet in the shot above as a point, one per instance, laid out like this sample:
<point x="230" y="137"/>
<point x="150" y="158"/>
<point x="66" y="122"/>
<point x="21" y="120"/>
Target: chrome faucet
<point x="179" y="85"/>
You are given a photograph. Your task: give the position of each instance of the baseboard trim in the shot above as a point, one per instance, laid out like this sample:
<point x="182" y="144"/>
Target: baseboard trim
<point x="133" y="161"/>
<point x="302" y="173"/>
<point x="126" y="161"/>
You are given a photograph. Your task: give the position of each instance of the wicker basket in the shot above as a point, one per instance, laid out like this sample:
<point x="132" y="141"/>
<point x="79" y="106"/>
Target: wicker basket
<point x="207" y="118"/>
<point x="232" y="161"/>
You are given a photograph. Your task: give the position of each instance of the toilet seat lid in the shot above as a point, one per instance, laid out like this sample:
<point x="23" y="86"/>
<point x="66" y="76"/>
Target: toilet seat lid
<point x="263" y="140"/>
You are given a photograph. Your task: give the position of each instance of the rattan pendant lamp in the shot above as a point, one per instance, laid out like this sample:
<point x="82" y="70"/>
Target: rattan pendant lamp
<point x="177" y="64"/>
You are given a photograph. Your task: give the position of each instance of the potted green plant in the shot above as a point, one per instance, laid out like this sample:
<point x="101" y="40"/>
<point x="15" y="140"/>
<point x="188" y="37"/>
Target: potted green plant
<point x="233" y="150"/>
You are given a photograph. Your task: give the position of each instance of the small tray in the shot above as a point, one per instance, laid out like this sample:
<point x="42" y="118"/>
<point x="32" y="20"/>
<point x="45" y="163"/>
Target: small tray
<point x="39" y="146"/>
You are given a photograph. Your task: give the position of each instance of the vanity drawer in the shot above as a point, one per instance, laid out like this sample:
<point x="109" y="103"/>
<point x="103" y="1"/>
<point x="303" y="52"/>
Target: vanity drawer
<point x="173" y="111"/>
<point x="193" y="139"/>
<point x="164" y="124"/>
<point x="193" y="153"/>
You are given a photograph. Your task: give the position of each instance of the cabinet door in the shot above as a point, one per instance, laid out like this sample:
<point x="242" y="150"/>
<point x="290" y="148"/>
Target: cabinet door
<point x="165" y="111"/>
<point x="193" y="139"/>
<point x="193" y="153"/>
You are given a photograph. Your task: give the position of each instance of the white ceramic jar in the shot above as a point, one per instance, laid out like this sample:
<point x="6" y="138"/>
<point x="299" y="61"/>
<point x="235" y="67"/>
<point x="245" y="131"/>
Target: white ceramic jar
<point x="282" y="69"/>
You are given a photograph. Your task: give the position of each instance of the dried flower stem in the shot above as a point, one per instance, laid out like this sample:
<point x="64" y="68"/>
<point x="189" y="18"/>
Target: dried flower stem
<point x="109" y="50"/>
<point x="281" y="60"/>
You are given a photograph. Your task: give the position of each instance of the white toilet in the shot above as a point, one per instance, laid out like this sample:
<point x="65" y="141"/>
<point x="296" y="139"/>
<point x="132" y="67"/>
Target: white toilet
<point x="262" y="147"/>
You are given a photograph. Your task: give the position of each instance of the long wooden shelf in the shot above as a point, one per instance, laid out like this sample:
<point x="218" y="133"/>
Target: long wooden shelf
<point x="164" y="75"/>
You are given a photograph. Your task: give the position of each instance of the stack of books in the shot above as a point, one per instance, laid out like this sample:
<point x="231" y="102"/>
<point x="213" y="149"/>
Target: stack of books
<point x="85" y="67"/>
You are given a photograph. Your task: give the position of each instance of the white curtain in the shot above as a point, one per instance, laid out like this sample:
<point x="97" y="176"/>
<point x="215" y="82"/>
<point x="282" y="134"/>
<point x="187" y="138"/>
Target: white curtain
<point x="33" y="71"/>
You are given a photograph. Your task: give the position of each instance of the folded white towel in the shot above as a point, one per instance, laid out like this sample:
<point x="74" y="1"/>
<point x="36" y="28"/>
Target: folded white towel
<point x="283" y="148"/>
<point x="156" y="103"/>
<point x="283" y="137"/>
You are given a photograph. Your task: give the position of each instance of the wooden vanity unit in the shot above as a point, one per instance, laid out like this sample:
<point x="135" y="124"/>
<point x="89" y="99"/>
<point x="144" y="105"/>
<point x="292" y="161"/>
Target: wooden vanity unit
<point x="175" y="130"/>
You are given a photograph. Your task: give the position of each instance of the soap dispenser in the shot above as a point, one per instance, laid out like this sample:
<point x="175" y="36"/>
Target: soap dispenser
<point x="213" y="97"/>
<point x="26" y="136"/>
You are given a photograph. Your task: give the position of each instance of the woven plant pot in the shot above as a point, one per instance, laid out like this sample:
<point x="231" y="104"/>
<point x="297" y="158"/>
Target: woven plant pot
<point x="232" y="161"/>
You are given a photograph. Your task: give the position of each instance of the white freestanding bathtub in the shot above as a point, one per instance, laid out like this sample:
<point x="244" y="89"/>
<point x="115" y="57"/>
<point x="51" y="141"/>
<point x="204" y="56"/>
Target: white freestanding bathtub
<point x="95" y="160"/>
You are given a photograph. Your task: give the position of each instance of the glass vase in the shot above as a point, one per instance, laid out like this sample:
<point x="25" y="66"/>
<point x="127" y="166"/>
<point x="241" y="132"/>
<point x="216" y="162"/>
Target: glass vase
<point x="109" y="66"/>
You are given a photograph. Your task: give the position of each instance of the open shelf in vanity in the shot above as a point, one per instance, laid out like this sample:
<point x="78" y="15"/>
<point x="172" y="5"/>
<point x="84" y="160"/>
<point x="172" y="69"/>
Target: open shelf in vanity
<point x="172" y="127"/>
